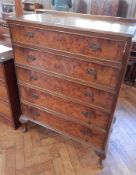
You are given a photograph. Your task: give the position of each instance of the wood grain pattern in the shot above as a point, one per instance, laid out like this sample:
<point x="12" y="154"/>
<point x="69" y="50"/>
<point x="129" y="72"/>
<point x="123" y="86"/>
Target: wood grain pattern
<point x="1" y="72"/>
<point x="87" y="71"/>
<point x="71" y="128"/>
<point x="78" y="44"/>
<point x="107" y="7"/>
<point x="3" y="90"/>
<point x="67" y="88"/>
<point x="5" y="109"/>
<point x="67" y="107"/>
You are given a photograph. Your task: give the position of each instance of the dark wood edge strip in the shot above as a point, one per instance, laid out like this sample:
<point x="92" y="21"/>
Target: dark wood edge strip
<point x="12" y="87"/>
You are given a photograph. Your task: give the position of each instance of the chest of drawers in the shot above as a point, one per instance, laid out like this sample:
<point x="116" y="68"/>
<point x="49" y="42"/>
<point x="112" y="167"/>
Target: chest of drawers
<point x="10" y="110"/>
<point x="70" y="72"/>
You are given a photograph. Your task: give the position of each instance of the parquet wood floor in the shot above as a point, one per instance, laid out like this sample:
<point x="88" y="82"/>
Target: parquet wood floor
<point x="43" y="152"/>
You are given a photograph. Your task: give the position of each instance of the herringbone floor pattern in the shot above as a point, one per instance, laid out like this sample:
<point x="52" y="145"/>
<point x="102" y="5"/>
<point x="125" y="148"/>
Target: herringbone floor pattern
<point x="43" y="152"/>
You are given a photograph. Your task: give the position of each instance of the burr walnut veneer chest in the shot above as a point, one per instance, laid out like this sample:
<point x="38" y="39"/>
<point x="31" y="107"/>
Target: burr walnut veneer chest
<point x="9" y="99"/>
<point x="70" y="68"/>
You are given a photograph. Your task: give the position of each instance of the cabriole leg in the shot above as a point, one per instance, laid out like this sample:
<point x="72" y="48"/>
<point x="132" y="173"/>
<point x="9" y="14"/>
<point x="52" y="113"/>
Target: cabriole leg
<point x="24" y="122"/>
<point x="101" y="158"/>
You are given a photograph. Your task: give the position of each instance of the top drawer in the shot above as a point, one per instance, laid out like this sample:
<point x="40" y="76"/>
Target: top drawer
<point x="73" y="43"/>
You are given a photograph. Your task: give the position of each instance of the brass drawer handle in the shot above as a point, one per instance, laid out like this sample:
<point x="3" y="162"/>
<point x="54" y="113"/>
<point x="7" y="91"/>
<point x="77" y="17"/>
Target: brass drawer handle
<point x="35" y="113"/>
<point x="31" y="58"/>
<point x="88" y="114"/>
<point x="92" y="72"/>
<point x="60" y="67"/>
<point x="35" y="96"/>
<point x="95" y="46"/>
<point x="89" y="94"/>
<point x="86" y="131"/>
<point x="33" y="78"/>
<point x="30" y="34"/>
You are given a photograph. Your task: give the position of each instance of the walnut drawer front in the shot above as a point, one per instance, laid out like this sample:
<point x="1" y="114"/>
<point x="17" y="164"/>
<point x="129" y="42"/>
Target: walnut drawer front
<point x="3" y="90"/>
<point x="73" y="129"/>
<point x="78" y="44"/>
<point x="80" y="92"/>
<point x="65" y="107"/>
<point x="90" y="72"/>
<point x="1" y="72"/>
<point x="5" y="110"/>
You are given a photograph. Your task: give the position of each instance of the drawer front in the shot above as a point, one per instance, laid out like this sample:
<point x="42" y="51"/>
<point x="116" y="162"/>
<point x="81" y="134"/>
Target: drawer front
<point x="67" y="88"/>
<point x="1" y="72"/>
<point x="5" y="110"/>
<point x="80" y="132"/>
<point x="73" y="43"/>
<point x="63" y="106"/>
<point x="91" y="72"/>
<point x="3" y="90"/>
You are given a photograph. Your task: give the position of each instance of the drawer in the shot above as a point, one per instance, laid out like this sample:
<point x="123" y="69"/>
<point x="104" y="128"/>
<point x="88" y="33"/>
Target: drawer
<point x="87" y="94"/>
<point x="5" y="110"/>
<point x="73" y="129"/>
<point x="73" y="43"/>
<point x="86" y="71"/>
<point x="1" y="72"/>
<point x="66" y="107"/>
<point x="3" y="90"/>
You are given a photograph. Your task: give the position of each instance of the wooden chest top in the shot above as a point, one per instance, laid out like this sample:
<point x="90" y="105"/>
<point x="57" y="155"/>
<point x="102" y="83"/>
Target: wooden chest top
<point x="90" y="23"/>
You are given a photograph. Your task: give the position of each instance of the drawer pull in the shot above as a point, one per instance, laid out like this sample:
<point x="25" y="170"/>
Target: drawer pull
<point x="34" y="96"/>
<point x="35" y="113"/>
<point x="92" y="72"/>
<point x="30" y="34"/>
<point x="86" y="131"/>
<point x="88" y="114"/>
<point x="31" y="58"/>
<point x="33" y="78"/>
<point x="95" y="46"/>
<point x="89" y="94"/>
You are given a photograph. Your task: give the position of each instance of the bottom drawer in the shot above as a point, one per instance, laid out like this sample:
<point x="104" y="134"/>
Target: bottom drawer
<point x="5" y="110"/>
<point x="91" y="136"/>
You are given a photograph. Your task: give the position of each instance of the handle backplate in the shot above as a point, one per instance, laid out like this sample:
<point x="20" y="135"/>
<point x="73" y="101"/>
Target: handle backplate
<point x="30" y="34"/>
<point x="31" y="58"/>
<point x="95" y="46"/>
<point x="89" y="114"/>
<point x="92" y="72"/>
